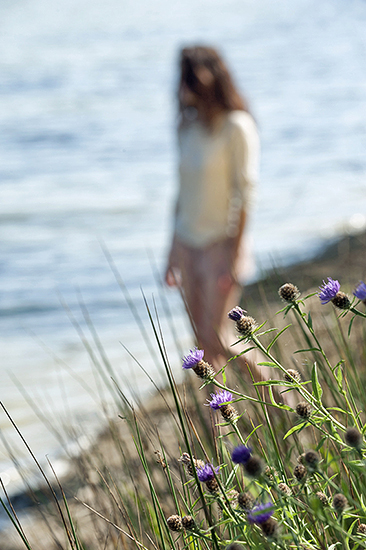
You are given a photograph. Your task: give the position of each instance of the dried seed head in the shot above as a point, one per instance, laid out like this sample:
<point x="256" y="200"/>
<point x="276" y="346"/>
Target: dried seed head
<point x="353" y="438"/>
<point x="292" y="376"/>
<point x="246" y="325"/>
<point x="203" y="370"/>
<point x="188" y="523"/>
<point x="268" y="472"/>
<point x="212" y="485"/>
<point x="289" y="292"/>
<point x="186" y="460"/>
<point x="300" y="472"/>
<point x="303" y="409"/>
<point x="245" y="501"/>
<point x="160" y="459"/>
<point x="269" y="527"/>
<point x="339" y="502"/>
<point x="285" y="489"/>
<point x="311" y="460"/>
<point x="174" y="523"/>
<point x="322" y="497"/>
<point x="301" y="458"/>
<point x="254" y="466"/>
<point x="361" y="529"/>
<point x="341" y="300"/>
<point x="228" y="412"/>
<point x="232" y="495"/>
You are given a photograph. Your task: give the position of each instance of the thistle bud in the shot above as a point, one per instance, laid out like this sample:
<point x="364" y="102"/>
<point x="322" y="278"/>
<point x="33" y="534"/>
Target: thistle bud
<point x="300" y="472"/>
<point x="254" y="466"/>
<point x="188" y="523"/>
<point x="174" y="523"/>
<point x="311" y="460"/>
<point x="322" y="497"/>
<point x="285" y="489"/>
<point x="269" y="527"/>
<point x="292" y="376"/>
<point x="303" y="410"/>
<point x="353" y="438"/>
<point x="339" y="502"/>
<point x="245" y="324"/>
<point x="289" y="292"/>
<point x="341" y="300"/>
<point x="245" y="501"/>
<point x="361" y="529"/>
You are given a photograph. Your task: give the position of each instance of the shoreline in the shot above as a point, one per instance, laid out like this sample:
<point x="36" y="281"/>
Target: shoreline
<point x="341" y="259"/>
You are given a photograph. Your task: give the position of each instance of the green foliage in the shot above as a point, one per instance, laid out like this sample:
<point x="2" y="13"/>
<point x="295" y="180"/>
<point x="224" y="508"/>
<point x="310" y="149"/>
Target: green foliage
<point x="295" y="429"/>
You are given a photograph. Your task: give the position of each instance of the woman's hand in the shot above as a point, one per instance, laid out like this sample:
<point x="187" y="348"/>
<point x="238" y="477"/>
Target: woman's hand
<point x="170" y="278"/>
<point x="171" y="273"/>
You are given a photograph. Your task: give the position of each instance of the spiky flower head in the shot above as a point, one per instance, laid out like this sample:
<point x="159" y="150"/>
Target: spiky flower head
<point x="269" y="527"/>
<point x="192" y="358"/>
<point x="220" y="399"/>
<point x="254" y="466"/>
<point x="322" y="497"/>
<point x="361" y="529"/>
<point x="285" y="489"/>
<point x="236" y="313"/>
<point x="330" y="292"/>
<point x="360" y="291"/>
<point x="303" y="409"/>
<point x="207" y="472"/>
<point x="245" y="324"/>
<point x="188" y="523"/>
<point x="241" y="454"/>
<point x="261" y="513"/>
<point x="245" y="501"/>
<point x="174" y="523"/>
<point x="300" y="472"/>
<point x="311" y="460"/>
<point x="339" y="502"/>
<point x="353" y="438"/>
<point x="289" y="292"/>
<point x="292" y="375"/>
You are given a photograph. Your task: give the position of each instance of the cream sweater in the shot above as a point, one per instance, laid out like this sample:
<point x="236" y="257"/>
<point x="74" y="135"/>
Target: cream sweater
<point x="217" y="174"/>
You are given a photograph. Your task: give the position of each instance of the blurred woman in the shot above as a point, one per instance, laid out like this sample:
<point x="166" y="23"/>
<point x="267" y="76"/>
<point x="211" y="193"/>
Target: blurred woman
<point x="218" y="161"/>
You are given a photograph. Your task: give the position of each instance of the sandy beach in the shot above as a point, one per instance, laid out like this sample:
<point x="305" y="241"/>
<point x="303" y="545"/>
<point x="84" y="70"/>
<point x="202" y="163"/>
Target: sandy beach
<point x="343" y="260"/>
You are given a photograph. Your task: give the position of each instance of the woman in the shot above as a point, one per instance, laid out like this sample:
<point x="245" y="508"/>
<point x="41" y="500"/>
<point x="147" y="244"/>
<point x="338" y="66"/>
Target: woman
<point x="219" y="150"/>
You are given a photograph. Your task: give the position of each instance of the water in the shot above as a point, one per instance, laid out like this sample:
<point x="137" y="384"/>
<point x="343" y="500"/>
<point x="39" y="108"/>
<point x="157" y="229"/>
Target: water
<point x="87" y="160"/>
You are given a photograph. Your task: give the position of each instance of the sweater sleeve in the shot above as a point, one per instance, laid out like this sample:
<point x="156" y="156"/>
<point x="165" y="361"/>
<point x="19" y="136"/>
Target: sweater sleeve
<point x="244" y="157"/>
<point x="244" y="151"/>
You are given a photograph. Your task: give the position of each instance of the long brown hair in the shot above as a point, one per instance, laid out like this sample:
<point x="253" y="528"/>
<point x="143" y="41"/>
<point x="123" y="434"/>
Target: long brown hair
<point x="204" y="72"/>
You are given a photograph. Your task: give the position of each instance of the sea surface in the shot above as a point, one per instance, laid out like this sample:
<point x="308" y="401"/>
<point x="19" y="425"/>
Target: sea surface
<point x="88" y="180"/>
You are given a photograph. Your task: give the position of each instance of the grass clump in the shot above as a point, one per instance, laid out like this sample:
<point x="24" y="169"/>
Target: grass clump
<point x="268" y="452"/>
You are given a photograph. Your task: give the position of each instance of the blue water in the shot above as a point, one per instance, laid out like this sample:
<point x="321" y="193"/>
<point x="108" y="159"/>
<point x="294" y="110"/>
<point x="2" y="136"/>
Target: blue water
<point x="88" y="159"/>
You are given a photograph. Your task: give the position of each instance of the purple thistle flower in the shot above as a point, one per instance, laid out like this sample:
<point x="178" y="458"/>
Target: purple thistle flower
<point x="241" y="454"/>
<point x="360" y="291"/>
<point x="192" y="358"/>
<point x="206" y="473"/>
<point x="236" y="313"/>
<point x="220" y="399"/>
<point x="328" y="291"/>
<point x="261" y="513"/>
